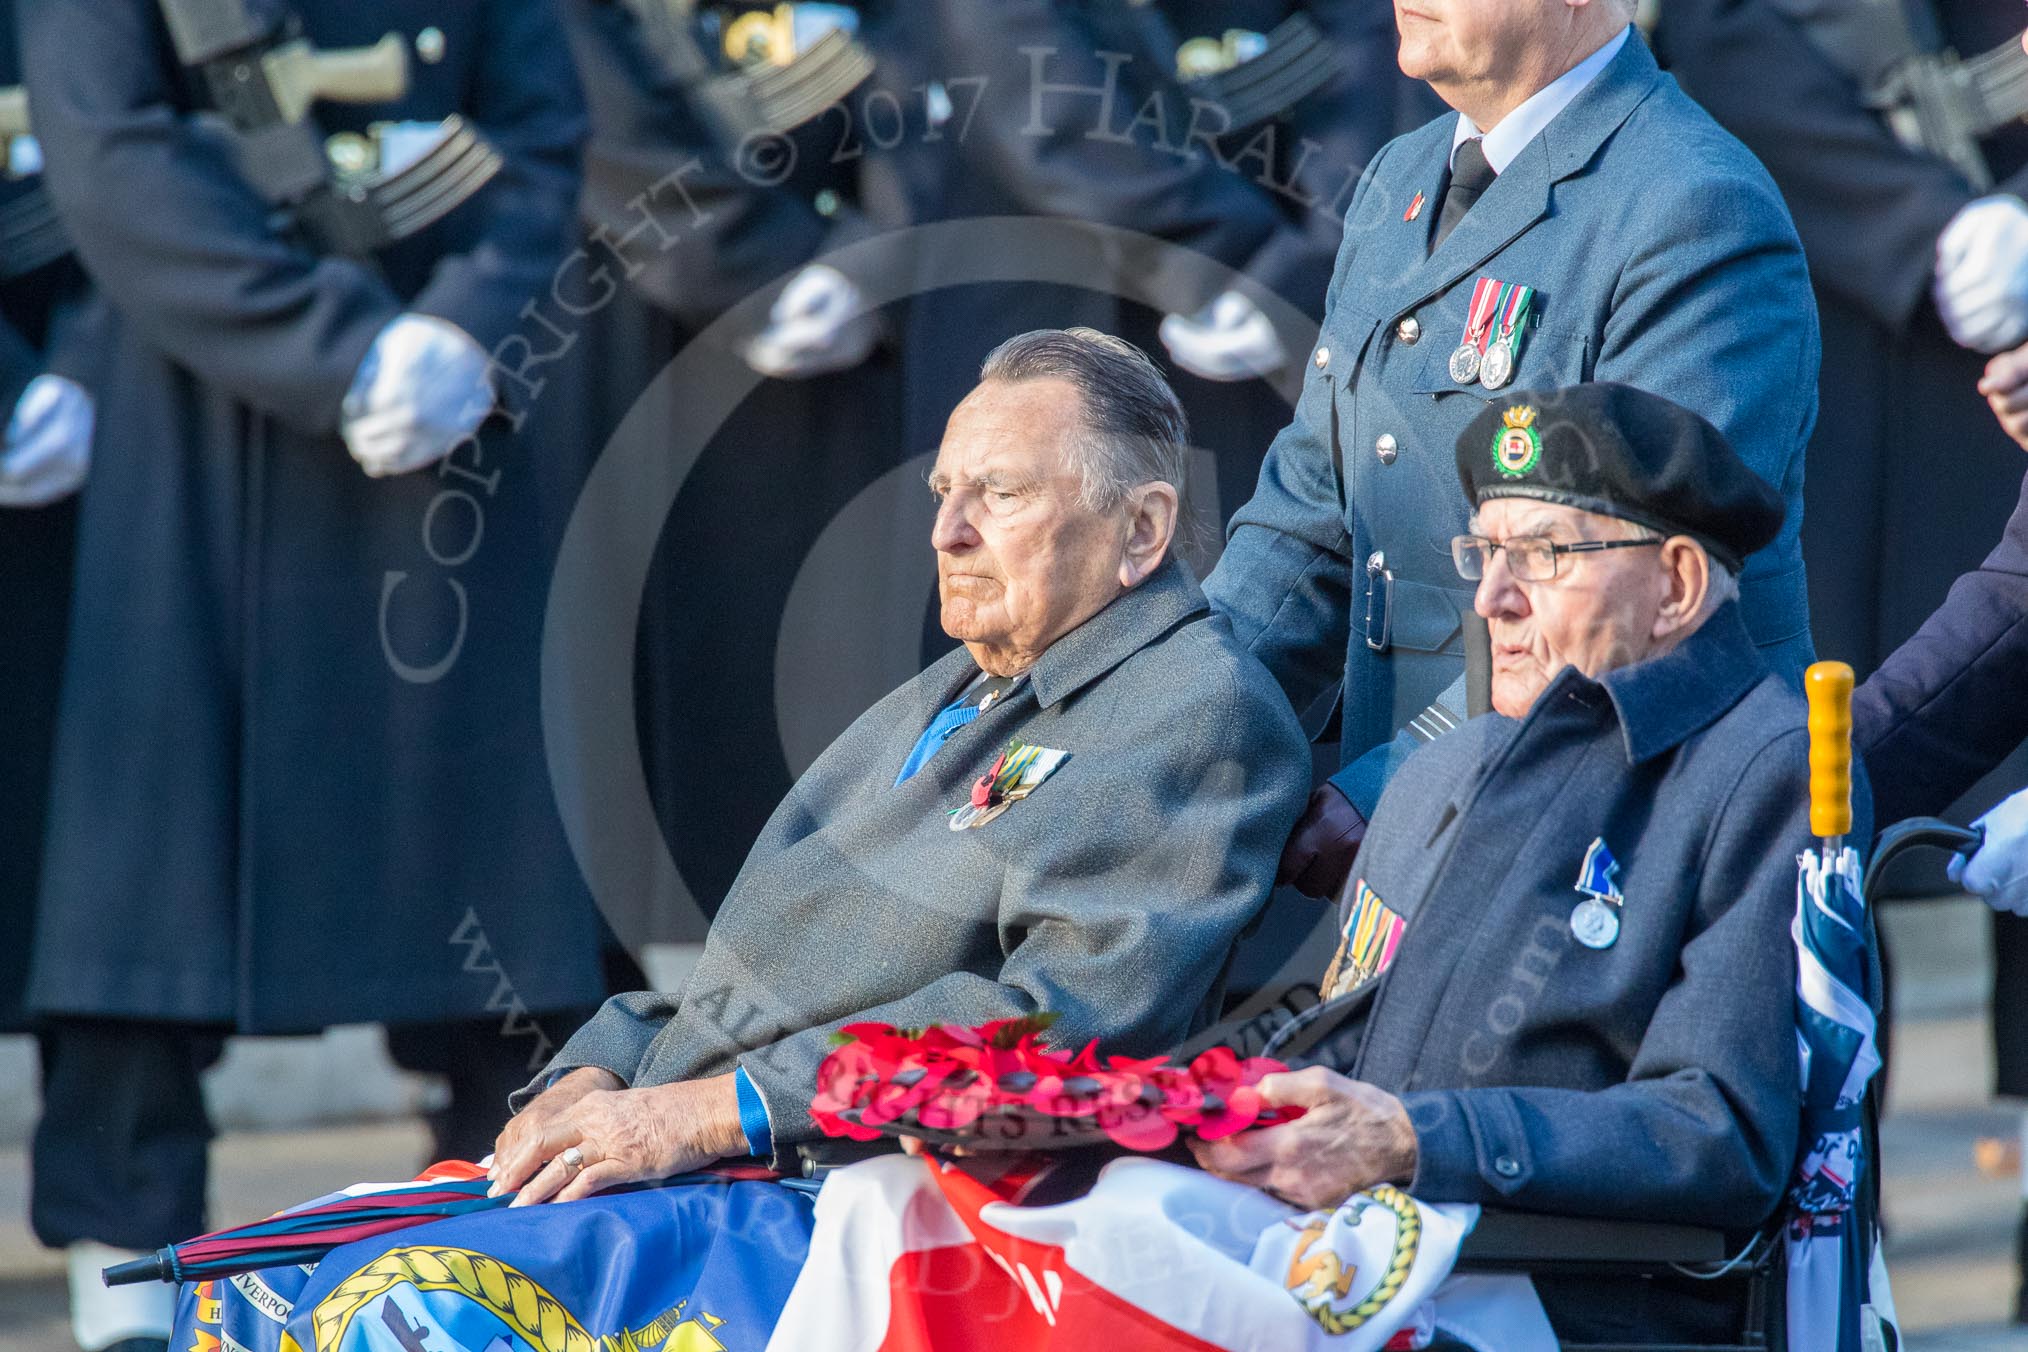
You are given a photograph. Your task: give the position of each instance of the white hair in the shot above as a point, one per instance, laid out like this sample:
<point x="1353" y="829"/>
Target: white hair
<point x="1724" y="582"/>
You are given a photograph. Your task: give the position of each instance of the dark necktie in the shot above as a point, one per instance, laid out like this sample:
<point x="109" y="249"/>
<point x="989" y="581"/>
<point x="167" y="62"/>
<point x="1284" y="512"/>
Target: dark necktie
<point x="1471" y="175"/>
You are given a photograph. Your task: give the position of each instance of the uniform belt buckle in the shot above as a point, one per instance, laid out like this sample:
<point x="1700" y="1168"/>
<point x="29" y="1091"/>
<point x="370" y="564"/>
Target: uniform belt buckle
<point x="1380" y="589"/>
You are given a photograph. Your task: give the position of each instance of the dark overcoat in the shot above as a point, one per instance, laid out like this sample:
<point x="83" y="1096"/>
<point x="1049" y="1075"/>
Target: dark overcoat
<point x="299" y="775"/>
<point x="46" y="324"/>
<point x="724" y="569"/>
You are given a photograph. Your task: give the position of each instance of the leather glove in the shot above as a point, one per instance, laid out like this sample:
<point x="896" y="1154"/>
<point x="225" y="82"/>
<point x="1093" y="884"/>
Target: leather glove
<point x="1982" y="274"/>
<point x="1229" y="339"/>
<point x="2005" y="385"/>
<point x="1998" y="870"/>
<point x="422" y="389"/>
<point x="1319" y="856"/>
<point x="815" y="327"/>
<point x="48" y="449"/>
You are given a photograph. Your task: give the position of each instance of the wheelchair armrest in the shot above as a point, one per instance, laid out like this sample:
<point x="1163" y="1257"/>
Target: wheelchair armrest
<point x="1508" y="1241"/>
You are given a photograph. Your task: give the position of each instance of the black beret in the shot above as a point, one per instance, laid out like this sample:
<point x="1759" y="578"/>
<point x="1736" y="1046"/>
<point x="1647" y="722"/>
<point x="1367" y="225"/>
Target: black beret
<point x="1622" y="452"/>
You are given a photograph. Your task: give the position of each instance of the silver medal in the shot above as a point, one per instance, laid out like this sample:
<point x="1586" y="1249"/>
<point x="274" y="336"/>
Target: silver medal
<point x="1498" y="367"/>
<point x="1465" y="364"/>
<point x="1595" y="923"/>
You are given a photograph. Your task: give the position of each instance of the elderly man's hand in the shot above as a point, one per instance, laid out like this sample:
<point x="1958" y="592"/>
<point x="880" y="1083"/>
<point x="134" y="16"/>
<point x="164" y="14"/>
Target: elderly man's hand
<point x="1352" y="1137"/>
<point x="514" y="1150"/>
<point x="624" y="1136"/>
<point x="2005" y="385"/>
<point x="1318" y="857"/>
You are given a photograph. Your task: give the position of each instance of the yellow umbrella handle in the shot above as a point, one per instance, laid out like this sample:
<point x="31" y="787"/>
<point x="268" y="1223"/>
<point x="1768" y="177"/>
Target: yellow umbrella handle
<point x="1829" y="688"/>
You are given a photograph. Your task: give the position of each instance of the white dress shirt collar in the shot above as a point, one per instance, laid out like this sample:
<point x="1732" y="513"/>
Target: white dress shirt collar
<point x="1525" y="123"/>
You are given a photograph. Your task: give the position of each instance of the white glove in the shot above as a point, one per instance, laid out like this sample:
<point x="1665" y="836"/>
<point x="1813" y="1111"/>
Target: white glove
<point x="1998" y="870"/>
<point x="49" y="443"/>
<point x="815" y="327"/>
<point x="1982" y="274"/>
<point x="422" y="389"/>
<point x="1229" y="339"/>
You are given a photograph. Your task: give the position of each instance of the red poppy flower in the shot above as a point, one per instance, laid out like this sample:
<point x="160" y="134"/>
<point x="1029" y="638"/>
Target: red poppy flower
<point x="903" y="1090"/>
<point x="957" y="1103"/>
<point x="1000" y="1083"/>
<point x="1138" y="1123"/>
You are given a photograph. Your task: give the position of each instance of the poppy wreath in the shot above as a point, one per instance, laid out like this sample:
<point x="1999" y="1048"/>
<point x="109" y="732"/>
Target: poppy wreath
<point x="999" y="1086"/>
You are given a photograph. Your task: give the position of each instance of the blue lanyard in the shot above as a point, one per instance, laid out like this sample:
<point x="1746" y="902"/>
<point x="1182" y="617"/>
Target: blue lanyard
<point x="939" y="731"/>
<point x="979" y="696"/>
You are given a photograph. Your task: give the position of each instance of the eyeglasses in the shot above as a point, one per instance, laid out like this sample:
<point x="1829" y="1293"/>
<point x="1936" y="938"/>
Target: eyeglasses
<point x="1531" y="558"/>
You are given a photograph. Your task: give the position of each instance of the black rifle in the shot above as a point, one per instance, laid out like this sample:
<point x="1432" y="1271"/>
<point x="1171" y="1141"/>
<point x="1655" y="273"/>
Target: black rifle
<point x="263" y="79"/>
<point x="1931" y="98"/>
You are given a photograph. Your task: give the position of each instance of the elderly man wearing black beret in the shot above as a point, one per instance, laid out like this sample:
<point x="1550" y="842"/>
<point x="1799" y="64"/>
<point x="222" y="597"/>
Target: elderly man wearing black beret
<point x="1566" y="982"/>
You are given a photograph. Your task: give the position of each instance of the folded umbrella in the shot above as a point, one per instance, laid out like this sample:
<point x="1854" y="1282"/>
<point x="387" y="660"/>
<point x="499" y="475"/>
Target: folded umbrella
<point x="310" y="1231"/>
<point x="1836" y="1286"/>
<point x="306" y="1233"/>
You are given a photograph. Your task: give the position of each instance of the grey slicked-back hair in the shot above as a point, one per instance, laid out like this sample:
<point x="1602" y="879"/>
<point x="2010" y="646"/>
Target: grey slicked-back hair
<point x="1136" y="431"/>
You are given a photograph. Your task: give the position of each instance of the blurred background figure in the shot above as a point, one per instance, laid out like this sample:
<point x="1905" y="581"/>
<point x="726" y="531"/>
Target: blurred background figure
<point x="47" y="369"/>
<point x="1918" y="248"/>
<point x="297" y="777"/>
<point x="46" y="364"/>
<point x="717" y="177"/>
<point x="1311" y="91"/>
<point x="1908" y="197"/>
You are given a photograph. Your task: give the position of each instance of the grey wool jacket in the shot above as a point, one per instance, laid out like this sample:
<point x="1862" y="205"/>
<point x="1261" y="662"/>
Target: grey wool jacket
<point x="1111" y="895"/>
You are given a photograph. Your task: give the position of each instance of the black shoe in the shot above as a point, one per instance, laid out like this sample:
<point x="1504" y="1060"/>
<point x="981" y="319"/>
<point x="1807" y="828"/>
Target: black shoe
<point x="138" y="1345"/>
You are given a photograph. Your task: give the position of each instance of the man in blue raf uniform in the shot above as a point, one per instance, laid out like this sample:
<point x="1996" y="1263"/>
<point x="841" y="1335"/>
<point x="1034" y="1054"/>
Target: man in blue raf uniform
<point x="298" y="776"/>
<point x="1576" y="219"/>
<point x="1566" y="982"/>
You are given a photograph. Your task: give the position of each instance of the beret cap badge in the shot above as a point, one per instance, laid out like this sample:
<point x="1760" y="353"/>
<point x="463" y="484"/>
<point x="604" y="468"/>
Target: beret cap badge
<point x="1517" y="447"/>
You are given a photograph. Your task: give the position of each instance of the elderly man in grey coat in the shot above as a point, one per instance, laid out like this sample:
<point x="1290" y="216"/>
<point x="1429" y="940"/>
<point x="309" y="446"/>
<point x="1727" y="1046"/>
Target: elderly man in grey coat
<point x="1566" y="982"/>
<point x="1077" y="811"/>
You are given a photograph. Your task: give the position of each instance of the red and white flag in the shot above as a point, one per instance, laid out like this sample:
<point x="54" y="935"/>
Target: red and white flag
<point x="912" y="1255"/>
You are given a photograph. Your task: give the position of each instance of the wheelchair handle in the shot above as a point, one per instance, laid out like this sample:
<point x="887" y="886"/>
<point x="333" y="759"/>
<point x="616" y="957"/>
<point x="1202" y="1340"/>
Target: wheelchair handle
<point x="1914" y="834"/>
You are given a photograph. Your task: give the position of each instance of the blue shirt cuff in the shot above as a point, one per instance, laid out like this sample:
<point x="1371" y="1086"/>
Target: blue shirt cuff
<point x="753" y="1117"/>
